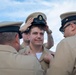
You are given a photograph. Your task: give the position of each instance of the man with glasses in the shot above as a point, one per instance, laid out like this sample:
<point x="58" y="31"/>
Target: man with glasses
<point x="64" y="62"/>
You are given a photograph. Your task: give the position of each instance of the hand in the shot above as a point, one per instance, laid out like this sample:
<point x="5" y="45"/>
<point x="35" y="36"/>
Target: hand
<point x="47" y="30"/>
<point x="26" y="25"/>
<point x="48" y="57"/>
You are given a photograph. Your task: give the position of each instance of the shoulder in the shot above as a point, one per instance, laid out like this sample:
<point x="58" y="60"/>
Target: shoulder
<point x="70" y="41"/>
<point x="28" y="59"/>
<point x="24" y="49"/>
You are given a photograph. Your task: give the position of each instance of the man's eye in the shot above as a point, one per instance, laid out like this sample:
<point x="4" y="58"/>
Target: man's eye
<point x="42" y="33"/>
<point x="34" y="33"/>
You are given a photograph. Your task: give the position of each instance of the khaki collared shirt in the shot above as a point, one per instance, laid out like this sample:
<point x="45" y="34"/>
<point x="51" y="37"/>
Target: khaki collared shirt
<point x="44" y="65"/>
<point x="64" y="62"/>
<point x="22" y="46"/>
<point x="13" y="63"/>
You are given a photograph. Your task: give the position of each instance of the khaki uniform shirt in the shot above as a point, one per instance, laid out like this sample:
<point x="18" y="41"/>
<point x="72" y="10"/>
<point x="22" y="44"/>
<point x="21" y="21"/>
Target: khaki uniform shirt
<point x="13" y="63"/>
<point x="22" y="45"/>
<point x="64" y="62"/>
<point x="44" y="65"/>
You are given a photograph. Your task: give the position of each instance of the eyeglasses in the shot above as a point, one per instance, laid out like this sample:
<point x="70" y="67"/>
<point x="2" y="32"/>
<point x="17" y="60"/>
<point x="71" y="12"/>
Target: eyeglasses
<point x="67" y="26"/>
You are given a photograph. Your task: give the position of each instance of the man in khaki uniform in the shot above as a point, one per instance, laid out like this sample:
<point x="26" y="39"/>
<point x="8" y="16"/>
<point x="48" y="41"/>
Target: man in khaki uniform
<point x="36" y="36"/>
<point x="64" y="62"/>
<point x="25" y="32"/>
<point x="11" y="62"/>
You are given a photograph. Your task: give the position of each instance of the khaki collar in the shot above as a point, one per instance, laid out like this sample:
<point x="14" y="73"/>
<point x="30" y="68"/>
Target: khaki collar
<point x="7" y="48"/>
<point x="45" y="51"/>
<point x="23" y="45"/>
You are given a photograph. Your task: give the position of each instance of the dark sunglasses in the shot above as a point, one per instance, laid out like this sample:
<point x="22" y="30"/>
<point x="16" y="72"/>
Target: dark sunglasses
<point x="68" y="25"/>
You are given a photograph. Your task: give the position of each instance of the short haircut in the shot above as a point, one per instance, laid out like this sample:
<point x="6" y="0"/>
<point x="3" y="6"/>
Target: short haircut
<point x="7" y="37"/>
<point x="39" y="26"/>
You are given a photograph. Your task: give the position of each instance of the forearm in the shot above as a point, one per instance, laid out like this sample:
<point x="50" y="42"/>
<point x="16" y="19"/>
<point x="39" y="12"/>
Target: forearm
<point x="50" y="41"/>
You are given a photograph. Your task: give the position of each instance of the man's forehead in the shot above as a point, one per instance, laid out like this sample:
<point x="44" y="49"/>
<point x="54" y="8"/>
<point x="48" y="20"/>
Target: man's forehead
<point x="36" y="29"/>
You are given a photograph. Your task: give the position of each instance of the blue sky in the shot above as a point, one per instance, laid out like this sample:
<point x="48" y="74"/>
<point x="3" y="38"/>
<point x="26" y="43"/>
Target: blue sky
<point x="18" y="10"/>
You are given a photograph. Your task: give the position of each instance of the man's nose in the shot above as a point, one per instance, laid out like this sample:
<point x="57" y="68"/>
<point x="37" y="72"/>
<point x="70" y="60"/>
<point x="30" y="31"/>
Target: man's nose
<point x="39" y="35"/>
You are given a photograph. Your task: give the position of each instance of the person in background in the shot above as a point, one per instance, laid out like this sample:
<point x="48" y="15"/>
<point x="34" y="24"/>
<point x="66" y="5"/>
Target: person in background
<point x="36" y="37"/>
<point x="11" y="62"/>
<point x="25" y="31"/>
<point x="64" y="62"/>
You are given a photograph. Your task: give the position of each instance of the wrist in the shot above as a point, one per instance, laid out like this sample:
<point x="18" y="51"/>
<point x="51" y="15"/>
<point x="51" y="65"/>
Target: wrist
<point x="49" y="31"/>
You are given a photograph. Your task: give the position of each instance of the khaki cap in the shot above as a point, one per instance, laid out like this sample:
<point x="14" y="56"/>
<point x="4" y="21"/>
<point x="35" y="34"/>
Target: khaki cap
<point x="33" y="15"/>
<point x="8" y="26"/>
<point x="67" y="17"/>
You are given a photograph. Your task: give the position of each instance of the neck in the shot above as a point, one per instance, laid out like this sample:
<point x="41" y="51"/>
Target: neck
<point x="26" y="43"/>
<point x="35" y="49"/>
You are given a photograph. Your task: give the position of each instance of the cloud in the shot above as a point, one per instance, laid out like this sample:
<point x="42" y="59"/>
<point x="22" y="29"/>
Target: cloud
<point x="18" y="10"/>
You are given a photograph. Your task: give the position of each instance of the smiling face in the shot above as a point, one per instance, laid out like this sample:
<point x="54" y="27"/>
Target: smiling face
<point x="36" y="36"/>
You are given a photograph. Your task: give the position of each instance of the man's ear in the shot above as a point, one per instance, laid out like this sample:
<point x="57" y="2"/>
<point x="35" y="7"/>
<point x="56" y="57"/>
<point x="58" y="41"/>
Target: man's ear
<point x="17" y="42"/>
<point x="73" y="27"/>
<point x="17" y="38"/>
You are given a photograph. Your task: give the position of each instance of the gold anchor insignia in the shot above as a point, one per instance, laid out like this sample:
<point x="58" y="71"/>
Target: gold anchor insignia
<point x="40" y="17"/>
<point x="67" y="19"/>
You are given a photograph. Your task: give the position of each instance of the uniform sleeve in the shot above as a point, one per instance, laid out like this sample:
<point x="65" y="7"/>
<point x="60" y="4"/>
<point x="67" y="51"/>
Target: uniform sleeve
<point x="29" y="64"/>
<point x="63" y="62"/>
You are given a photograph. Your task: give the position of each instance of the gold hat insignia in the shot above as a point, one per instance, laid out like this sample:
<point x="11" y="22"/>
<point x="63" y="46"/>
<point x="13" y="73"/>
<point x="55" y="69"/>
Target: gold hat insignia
<point x="67" y="19"/>
<point x="40" y="17"/>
